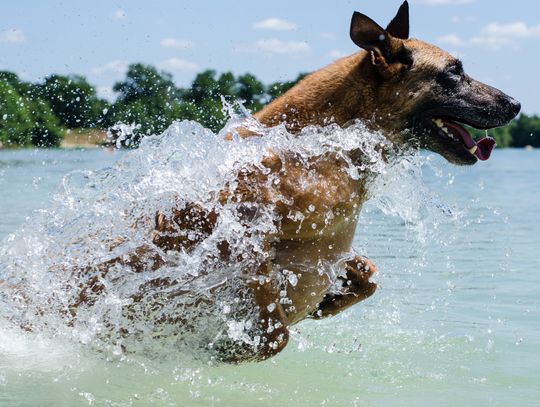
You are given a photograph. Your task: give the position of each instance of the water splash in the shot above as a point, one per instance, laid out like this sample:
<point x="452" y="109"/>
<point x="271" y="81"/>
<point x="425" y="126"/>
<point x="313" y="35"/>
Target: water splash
<point x="97" y="217"/>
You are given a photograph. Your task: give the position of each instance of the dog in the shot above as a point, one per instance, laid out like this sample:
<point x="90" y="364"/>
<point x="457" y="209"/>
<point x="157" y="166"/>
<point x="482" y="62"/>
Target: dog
<point x="414" y="93"/>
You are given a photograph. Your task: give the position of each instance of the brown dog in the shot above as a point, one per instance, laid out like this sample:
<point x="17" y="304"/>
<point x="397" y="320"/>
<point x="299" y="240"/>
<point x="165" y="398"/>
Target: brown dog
<point x="414" y="93"/>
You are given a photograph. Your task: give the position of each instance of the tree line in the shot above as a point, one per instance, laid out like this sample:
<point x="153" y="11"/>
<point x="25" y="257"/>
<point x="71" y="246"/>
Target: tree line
<point x="38" y="114"/>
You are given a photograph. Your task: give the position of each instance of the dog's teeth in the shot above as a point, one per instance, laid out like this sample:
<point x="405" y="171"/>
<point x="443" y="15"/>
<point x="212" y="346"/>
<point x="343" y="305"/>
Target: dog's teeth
<point x="472" y="150"/>
<point x="438" y="122"/>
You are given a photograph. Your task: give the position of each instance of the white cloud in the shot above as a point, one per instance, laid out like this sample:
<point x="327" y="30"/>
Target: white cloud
<point x="336" y="54"/>
<point x="176" y="43"/>
<point x="12" y="36"/>
<point x="444" y="2"/>
<point x="451" y="39"/>
<point x="493" y="43"/>
<point x="494" y="36"/>
<point x="178" y="65"/>
<point x="119" y="14"/>
<point x="275" y="46"/>
<point x="275" y="24"/>
<point x="113" y="66"/>
<point x="519" y="29"/>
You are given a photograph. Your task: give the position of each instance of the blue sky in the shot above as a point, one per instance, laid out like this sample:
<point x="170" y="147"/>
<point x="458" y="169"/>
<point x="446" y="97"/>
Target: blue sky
<point x="499" y="41"/>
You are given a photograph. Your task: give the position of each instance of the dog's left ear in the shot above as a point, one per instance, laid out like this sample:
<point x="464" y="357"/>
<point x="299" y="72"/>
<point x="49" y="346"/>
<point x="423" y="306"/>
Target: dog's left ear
<point x="384" y="48"/>
<point x="369" y="35"/>
<point x="399" y="26"/>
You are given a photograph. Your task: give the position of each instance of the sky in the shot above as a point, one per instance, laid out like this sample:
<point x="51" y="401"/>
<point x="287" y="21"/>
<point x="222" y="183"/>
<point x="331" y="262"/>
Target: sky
<point x="498" y="41"/>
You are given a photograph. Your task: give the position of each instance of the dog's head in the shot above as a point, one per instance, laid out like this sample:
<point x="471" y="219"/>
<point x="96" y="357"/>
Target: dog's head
<point x="423" y="89"/>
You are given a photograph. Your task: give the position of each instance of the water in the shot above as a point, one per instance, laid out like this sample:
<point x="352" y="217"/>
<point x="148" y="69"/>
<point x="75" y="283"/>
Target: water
<point x="455" y="319"/>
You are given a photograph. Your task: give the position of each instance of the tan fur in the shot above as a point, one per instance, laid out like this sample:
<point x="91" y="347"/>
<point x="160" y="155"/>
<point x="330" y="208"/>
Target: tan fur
<point x="352" y="88"/>
<point x="365" y="86"/>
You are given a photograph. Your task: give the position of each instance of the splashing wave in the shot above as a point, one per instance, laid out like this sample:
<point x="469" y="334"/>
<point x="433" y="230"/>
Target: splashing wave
<point x="100" y="216"/>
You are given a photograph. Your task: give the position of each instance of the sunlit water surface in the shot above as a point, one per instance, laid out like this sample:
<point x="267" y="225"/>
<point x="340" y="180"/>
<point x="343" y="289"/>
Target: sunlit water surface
<point x="455" y="320"/>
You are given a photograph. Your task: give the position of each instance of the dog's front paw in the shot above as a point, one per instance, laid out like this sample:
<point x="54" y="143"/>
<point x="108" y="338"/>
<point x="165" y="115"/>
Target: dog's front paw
<point x="357" y="274"/>
<point x="355" y="287"/>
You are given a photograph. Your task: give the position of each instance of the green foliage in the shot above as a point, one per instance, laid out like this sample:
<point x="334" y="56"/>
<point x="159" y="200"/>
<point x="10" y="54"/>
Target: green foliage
<point x="15" y="117"/>
<point x="29" y="118"/>
<point x="37" y="114"/>
<point x="501" y="135"/>
<point x="144" y="81"/>
<point x="277" y="89"/>
<point x="73" y="100"/>
<point x="525" y="130"/>
<point x="13" y="80"/>
<point x="146" y="97"/>
<point x="47" y="130"/>
<point x="251" y="91"/>
<point x="202" y="99"/>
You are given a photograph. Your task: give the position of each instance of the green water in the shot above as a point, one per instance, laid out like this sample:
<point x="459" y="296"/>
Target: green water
<point x="455" y="320"/>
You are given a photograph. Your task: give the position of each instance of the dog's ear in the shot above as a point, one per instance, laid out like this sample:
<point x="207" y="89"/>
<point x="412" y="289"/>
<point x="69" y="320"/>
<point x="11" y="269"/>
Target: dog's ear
<point x="369" y="35"/>
<point x="399" y="26"/>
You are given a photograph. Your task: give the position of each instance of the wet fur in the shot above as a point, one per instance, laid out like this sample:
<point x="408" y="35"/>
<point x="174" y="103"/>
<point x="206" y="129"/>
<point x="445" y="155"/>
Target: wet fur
<point x="391" y="86"/>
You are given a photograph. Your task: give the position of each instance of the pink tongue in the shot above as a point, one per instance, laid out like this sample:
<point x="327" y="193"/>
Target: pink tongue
<point x="485" y="147"/>
<point x="485" y="144"/>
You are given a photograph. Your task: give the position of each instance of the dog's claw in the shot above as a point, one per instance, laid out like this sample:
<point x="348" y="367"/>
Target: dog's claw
<point x="356" y="287"/>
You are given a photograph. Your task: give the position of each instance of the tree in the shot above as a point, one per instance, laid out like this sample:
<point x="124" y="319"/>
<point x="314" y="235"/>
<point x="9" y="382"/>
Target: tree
<point x="73" y="100"/>
<point x="34" y="120"/>
<point x="226" y="85"/>
<point x="204" y="98"/>
<point x="15" y="117"/>
<point x="502" y="135"/>
<point x="47" y="130"/>
<point x="148" y="98"/>
<point x="203" y="87"/>
<point x="251" y="91"/>
<point x="525" y="131"/>
<point x="277" y="89"/>
<point x="13" y="80"/>
<point x="144" y="81"/>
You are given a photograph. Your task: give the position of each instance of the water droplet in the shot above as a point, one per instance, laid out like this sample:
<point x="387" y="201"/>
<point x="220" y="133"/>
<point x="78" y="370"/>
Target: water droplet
<point x="293" y="279"/>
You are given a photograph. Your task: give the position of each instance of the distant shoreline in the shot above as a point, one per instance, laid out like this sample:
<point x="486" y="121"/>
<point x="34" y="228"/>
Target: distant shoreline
<point x="87" y="138"/>
<point x="91" y="139"/>
<point x="74" y="138"/>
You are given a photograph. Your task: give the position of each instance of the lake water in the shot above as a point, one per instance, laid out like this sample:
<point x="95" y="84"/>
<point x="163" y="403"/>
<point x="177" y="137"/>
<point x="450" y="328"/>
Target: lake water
<point x="455" y="321"/>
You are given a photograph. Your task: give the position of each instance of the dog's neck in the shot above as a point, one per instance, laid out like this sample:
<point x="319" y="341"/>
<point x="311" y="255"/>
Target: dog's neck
<point x="338" y="93"/>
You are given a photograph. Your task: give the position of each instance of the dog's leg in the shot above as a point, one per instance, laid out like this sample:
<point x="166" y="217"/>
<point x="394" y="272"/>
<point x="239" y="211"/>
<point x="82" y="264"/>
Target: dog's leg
<point x="272" y="323"/>
<point x="269" y="326"/>
<point x="356" y="288"/>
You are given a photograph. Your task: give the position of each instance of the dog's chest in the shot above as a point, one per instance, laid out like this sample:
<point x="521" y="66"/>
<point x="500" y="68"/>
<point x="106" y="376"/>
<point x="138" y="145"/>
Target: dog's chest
<point x="318" y="208"/>
<point x="318" y="200"/>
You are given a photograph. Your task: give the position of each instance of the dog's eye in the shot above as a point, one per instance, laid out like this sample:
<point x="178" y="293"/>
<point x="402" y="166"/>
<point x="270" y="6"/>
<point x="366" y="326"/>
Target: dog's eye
<point x="455" y="70"/>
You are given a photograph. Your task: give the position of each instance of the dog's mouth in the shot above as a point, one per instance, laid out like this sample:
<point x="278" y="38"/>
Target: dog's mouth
<point x="447" y="136"/>
<point x="447" y="128"/>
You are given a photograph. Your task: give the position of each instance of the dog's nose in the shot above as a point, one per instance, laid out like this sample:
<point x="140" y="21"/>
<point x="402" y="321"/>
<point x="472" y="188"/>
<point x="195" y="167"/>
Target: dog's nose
<point x="514" y="105"/>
